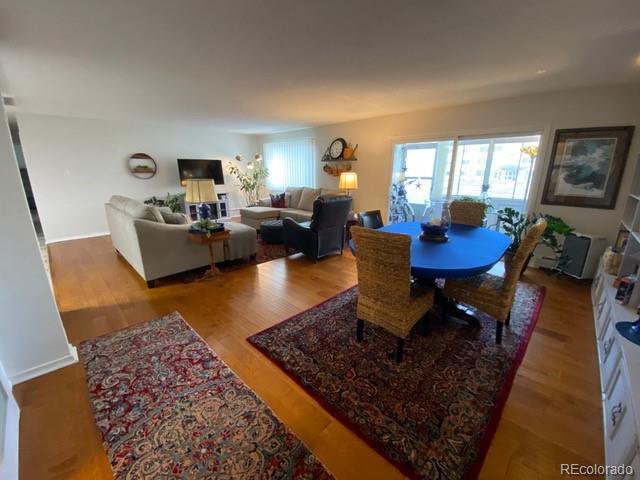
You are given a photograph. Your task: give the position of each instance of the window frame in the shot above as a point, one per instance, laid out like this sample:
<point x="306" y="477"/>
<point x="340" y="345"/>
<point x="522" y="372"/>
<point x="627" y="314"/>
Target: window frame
<point x="422" y="146"/>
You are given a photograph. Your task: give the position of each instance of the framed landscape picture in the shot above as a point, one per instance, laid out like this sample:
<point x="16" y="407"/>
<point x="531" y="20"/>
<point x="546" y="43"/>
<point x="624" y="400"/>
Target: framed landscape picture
<point x="586" y="166"/>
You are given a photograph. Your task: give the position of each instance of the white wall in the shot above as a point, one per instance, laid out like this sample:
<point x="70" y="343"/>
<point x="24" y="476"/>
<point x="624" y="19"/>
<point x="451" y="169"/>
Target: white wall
<point x="76" y="164"/>
<point x="603" y="106"/>
<point x="32" y="339"/>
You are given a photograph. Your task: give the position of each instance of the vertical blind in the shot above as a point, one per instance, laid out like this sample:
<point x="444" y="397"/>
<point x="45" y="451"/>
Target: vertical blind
<point x="291" y="163"/>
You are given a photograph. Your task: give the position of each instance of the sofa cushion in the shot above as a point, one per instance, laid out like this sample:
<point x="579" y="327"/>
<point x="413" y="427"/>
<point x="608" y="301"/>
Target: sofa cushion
<point x="307" y="198"/>
<point x="294" y="196"/>
<point x="297" y="214"/>
<point x="328" y="193"/>
<point x="156" y="213"/>
<point x="174" y="218"/>
<point x="260" y="212"/>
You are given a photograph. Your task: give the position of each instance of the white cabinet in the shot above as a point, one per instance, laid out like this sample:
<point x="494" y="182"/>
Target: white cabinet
<point x="619" y="362"/>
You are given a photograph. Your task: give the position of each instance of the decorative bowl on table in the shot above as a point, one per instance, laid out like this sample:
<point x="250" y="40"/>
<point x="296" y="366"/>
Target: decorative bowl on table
<point x="435" y="222"/>
<point x="201" y="228"/>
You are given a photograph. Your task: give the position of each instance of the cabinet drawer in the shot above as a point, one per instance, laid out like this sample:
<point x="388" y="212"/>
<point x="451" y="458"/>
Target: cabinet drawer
<point x="607" y="340"/>
<point x="610" y="368"/>
<point x="635" y="465"/>
<point x="603" y="319"/>
<point x="619" y="424"/>
<point x="596" y="288"/>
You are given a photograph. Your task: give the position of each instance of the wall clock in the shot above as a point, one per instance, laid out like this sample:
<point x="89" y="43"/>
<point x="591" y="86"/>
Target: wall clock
<point x="337" y="147"/>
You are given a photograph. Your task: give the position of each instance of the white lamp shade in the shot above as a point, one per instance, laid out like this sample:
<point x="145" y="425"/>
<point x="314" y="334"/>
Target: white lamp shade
<point x="201" y="191"/>
<point x="348" y="181"/>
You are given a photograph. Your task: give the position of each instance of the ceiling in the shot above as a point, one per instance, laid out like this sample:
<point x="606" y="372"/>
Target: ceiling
<point x="260" y="66"/>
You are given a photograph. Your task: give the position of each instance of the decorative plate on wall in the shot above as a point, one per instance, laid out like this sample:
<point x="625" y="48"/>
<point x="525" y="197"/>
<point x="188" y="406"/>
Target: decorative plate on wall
<point x="142" y="166"/>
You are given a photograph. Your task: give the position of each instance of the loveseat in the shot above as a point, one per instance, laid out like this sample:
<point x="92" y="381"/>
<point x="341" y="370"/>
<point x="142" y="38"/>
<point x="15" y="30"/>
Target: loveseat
<point x="298" y="206"/>
<point x="155" y="248"/>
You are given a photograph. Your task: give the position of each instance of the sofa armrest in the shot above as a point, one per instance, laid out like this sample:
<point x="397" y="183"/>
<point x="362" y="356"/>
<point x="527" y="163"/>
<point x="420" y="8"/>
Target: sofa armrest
<point x="166" y="249"/>
<point x="264" y="202"/>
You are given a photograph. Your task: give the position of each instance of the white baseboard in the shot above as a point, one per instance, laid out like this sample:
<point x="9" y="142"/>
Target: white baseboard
<point x="76" y="237"/>
<point x="46" y="367"/>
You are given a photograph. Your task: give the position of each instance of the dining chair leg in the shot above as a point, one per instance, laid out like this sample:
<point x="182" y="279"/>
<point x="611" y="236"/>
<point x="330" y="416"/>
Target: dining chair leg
<point x="423" y="325"/>
<point x="508" y="320"/>
<point x="499" y="326"/>
<point x="359" y="329"/>
<point x="400" y="350"/>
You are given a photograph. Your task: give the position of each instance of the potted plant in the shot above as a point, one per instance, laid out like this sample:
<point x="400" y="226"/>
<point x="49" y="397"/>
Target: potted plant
<point x="481" y="199"/>
<point x="515" y="224"/>
<point x="175" y="201"/>
<point x="252" y="180"/>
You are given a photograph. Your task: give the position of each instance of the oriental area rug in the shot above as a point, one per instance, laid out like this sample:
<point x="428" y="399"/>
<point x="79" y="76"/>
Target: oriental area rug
<point x="433" y="415"/>
<point x="168" y="407"/>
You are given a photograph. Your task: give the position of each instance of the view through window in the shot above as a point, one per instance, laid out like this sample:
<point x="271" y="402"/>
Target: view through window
<point x="496" y="167"/>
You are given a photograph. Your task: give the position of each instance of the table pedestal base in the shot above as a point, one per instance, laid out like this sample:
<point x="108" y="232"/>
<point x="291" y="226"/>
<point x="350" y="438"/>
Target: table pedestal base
<point x="213" y="272"/>
<point x="450" y="307"/>
<point x="462" y="312"/>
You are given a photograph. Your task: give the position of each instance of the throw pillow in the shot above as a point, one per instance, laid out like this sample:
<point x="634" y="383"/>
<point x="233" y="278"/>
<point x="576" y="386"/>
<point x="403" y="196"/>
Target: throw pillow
<point x="307" y="198"/>
<point x="277" y="201"/>
<point x="294" y="196"/>
<point x="157" y="214"/>
<point x="174" y="218"/>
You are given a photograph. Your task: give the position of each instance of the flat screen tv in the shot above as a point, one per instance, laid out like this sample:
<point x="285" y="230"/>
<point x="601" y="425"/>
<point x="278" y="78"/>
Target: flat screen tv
<point x="200" y="169"/>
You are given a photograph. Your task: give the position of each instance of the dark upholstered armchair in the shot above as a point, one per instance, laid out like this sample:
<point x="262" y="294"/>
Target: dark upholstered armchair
<point x="325" y="233"/>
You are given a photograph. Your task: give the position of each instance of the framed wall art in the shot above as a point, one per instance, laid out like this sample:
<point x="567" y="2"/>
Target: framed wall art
<point x="586" y="166"/>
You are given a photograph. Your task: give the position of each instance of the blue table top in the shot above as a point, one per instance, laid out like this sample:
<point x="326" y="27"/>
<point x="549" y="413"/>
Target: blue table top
<point x="469" y="251"/>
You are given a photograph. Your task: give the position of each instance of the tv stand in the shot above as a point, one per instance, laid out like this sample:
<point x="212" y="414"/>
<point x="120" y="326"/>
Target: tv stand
<point x="218" y="210"/>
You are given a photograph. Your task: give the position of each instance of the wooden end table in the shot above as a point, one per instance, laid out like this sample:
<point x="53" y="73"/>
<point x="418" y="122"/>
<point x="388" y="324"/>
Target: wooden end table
<point x="208" y="240"/>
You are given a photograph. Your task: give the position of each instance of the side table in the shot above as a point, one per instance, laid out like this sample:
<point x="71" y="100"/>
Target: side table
<point x="209" y="240"/>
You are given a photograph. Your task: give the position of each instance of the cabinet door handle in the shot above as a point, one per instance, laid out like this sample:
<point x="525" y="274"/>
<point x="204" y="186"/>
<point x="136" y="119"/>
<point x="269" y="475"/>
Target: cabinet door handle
<point x="616" y="411"/>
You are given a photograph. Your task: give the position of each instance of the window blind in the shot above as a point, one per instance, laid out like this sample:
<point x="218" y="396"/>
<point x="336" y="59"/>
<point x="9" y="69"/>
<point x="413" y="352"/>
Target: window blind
<point x="291" y="163"/>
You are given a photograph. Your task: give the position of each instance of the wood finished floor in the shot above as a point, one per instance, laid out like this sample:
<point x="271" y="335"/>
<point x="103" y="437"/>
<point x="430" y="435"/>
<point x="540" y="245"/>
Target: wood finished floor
<point x="553" y="414"/>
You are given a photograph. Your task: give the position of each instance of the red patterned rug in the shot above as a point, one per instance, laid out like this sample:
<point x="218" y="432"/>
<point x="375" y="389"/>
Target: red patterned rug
<point x="434" y="415"/>
<point x="168" y="407"/>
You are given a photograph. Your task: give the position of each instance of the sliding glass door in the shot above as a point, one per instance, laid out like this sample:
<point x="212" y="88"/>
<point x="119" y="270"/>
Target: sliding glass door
<point x="495" y="168"/>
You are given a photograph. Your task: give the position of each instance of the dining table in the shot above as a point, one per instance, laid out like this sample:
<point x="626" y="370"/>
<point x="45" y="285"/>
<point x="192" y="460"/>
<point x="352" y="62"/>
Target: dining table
<point x="468" y="251"/>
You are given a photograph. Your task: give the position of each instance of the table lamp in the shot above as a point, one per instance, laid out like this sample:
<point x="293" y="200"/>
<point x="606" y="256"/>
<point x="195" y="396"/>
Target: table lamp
<point x="201" y="192"/>
<point x="348" y="181"/>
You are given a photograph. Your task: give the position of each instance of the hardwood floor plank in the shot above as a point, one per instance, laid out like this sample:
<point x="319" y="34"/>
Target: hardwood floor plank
<point x="552" y="415"/>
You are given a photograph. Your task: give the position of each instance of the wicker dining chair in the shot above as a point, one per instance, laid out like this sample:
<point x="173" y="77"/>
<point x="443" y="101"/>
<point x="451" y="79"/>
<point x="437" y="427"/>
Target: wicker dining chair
<point x="386" y="296"/>
<point x="492" y="294"/>
<point x="370" y="219"/>
<point x="467" y="213"/>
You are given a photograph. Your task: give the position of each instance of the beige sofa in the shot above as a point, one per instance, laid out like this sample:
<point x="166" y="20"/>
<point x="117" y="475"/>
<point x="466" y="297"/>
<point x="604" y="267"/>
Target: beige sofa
<point x="155" y="248"/>
<point x="298" y="206"/>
